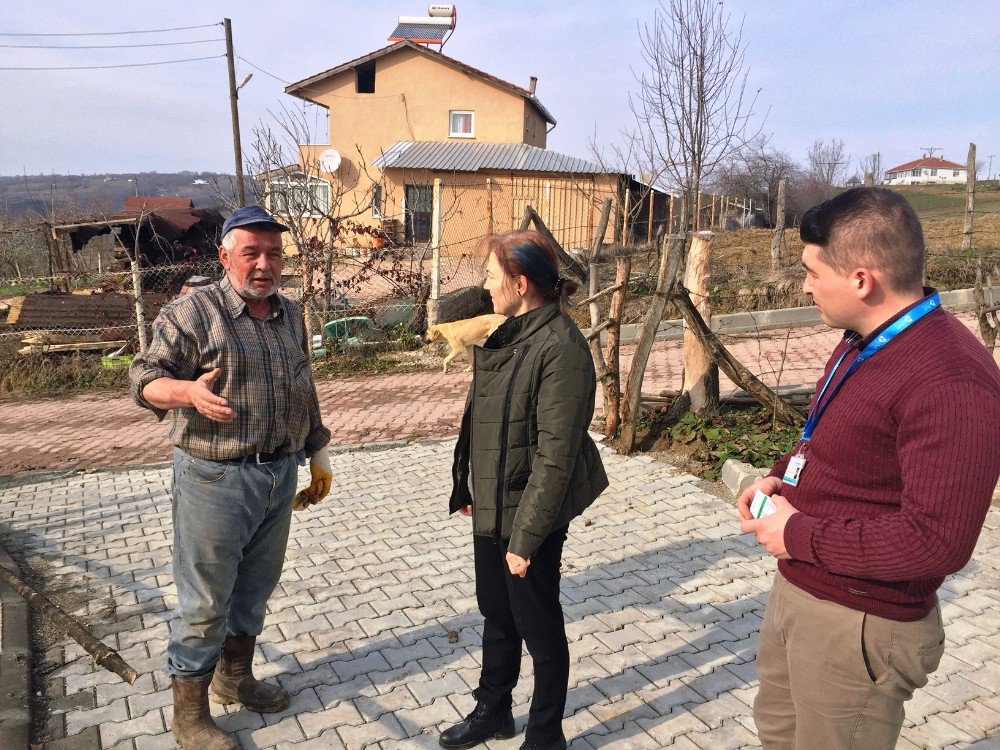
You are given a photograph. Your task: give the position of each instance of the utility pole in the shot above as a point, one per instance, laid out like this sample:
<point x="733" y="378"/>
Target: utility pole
<point x="235" y="111"/>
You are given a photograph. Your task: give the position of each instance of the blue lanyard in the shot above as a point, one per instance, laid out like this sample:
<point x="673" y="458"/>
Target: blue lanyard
<point x="876" y="344"/>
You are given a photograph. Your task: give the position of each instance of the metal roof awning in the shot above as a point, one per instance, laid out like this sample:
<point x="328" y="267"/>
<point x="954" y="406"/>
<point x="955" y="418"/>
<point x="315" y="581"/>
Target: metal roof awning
<point x="446" y="156"/>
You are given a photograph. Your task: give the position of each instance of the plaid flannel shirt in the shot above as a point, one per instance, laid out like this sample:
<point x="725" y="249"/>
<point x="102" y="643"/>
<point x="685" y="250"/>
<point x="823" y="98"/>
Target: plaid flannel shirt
<point x="265" y="374"/>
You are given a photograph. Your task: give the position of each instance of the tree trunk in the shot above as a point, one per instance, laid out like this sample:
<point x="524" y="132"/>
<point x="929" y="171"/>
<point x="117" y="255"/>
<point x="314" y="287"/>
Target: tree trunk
<point x="701" y="374"/>
<point x="779" y="226"/>
<point x="739" y="374"/>
<point x="612" y="380"/>
<point x="671" y="255"/>
<point x="572" y="264"/>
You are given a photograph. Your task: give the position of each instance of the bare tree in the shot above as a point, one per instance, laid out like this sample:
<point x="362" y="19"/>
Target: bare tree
<point x="828" y="161"/>
<point x="323" y="211"/>
<point x="692" y="107"/>
<point x="872" y="164"/>
<point x="826" y="166"/>
<point x="754" y="172"/>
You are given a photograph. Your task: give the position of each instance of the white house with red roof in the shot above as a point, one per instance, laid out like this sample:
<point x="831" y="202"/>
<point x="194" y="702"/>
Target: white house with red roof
<point x="929" y="170"/>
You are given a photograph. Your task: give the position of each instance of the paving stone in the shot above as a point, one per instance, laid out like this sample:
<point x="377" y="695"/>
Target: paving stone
<point x="662" y="603"/>
<point x="112" y="732"/>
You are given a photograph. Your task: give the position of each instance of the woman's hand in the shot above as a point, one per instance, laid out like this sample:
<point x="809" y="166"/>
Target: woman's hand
<point x="518" y="565"/>
<point x="465" y="510"/>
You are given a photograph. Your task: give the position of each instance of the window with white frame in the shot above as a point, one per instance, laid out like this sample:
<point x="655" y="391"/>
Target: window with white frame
<point x="377" y="200"/>
<point x="461" y="123"/>
<point x="955" y="173"/>
<point x="933" y="173"/>
<point x="916" y="173"/>
<point x="298" y="195"/>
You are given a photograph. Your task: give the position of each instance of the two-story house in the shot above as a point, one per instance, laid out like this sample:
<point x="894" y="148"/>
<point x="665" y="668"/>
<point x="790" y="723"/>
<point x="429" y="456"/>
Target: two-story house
<point x="405" y="115"/>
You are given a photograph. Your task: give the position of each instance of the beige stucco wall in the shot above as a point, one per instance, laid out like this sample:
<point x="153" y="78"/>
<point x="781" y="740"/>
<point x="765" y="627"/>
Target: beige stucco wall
<point x="413" y="97"/>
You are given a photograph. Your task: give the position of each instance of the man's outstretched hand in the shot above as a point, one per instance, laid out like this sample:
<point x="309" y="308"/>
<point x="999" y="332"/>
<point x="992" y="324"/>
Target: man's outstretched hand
<point x="203" y="398"/>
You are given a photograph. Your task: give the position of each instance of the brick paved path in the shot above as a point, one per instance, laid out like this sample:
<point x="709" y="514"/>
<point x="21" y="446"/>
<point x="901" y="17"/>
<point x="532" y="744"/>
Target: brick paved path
<point x="663" y="601"/>
<point x="107" y="430"/>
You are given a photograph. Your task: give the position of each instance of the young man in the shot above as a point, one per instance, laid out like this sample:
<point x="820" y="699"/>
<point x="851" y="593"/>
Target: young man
<point x="231" y="361"/>
<point x="883" y="497"/>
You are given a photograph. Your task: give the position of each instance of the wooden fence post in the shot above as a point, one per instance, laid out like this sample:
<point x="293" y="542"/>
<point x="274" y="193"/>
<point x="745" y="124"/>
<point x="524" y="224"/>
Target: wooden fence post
<point x="432" y="300"/>
<point x="593" y="287"/>
<point x="671" y="255"/>
<point x="701" y="374"/>
<point x="612" y="380"/>
<point x="779" y="226"/>
<point x="970" y="197"/>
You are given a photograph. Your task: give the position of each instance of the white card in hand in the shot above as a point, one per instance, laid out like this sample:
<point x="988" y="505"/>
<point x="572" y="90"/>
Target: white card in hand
<point x="762" y="506"/>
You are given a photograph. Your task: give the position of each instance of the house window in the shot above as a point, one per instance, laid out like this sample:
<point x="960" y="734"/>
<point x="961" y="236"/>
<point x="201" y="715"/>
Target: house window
<point x="377" y="200"/>
<point x="955" y="173"/>
<point x="419" y="210"/>
<point x="915" y="173"/>
<point x="364" y="78"/>
<point x="933" y="173"/>
<point x="298" y="195"/>
<point x="461" y="124"/>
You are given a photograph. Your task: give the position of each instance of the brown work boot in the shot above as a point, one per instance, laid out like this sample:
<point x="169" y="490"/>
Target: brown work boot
<point x="193" y="726"/>
<point x="234" y="681"/>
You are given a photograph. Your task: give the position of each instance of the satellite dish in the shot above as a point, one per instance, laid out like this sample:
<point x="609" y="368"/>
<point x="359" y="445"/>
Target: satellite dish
<point x="329" y="160"/>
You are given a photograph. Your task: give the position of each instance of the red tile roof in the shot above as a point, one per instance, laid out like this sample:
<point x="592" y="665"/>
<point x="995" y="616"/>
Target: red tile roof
<point x="928" y="161"/>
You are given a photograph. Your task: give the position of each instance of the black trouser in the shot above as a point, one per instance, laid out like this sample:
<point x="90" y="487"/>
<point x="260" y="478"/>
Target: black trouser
<point x="525" y="609"/>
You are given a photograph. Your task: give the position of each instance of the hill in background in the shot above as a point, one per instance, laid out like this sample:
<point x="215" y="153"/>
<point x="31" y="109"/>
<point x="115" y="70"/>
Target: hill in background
<point x="106" y="192"/>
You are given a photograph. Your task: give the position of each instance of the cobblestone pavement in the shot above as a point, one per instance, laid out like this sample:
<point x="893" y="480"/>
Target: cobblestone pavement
<point x="109" y="430"/>
<point x="374" y="628"/>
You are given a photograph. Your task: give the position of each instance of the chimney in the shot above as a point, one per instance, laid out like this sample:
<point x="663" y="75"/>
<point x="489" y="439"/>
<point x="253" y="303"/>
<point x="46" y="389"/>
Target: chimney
<point x="532" y="82"/>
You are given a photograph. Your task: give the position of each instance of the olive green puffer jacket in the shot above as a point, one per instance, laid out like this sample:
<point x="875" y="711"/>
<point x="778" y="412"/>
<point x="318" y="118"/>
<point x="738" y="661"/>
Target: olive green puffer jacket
<point x="524" y="440"/>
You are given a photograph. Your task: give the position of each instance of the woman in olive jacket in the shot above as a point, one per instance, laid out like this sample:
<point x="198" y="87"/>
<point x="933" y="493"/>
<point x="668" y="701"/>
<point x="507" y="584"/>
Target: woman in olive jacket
<point x="524" y="468"/>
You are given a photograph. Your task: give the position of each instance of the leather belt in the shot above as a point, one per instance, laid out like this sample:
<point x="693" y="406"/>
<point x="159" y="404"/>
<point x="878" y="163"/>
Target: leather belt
<point x="266" y="458"/>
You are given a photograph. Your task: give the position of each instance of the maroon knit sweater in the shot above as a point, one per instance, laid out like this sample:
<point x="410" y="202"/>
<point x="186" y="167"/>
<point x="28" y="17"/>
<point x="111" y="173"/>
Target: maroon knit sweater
<point x="899" y="473"/>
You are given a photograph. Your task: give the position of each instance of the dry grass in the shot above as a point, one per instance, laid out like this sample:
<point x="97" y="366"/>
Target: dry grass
<point x="39" y="375"/>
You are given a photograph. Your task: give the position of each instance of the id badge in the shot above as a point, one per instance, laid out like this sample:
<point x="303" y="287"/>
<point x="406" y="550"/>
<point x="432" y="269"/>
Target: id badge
<point x="794" y="470"/>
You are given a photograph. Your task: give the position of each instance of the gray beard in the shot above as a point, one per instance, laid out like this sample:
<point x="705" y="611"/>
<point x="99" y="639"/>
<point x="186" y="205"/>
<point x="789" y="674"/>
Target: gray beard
<point x="247" y="291"/>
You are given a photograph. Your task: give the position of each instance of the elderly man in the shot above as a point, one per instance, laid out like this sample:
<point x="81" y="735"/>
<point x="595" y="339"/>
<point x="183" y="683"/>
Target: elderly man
<point x="231" y="361"/>
<point x="885" y="494"/>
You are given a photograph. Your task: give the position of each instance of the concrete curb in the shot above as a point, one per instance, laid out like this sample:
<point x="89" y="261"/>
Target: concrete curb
<point x="765" y="320"/>
<point x="737" y="476"/>
<point x="15" y="665"/>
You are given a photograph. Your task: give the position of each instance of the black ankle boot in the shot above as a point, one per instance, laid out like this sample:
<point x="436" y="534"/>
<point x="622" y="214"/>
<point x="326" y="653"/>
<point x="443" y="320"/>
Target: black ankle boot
<point x="484" y="723"/>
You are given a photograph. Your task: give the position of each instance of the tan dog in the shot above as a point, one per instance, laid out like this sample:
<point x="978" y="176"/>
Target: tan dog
<point x="464" y="334"/>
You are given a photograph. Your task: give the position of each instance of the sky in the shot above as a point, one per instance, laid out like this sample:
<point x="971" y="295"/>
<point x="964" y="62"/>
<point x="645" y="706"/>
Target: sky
<point x="891" y="76"/>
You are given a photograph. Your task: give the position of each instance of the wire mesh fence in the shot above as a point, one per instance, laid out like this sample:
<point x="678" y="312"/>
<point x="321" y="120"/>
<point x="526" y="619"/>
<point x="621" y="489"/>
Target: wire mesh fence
<point x="379" y="293"/>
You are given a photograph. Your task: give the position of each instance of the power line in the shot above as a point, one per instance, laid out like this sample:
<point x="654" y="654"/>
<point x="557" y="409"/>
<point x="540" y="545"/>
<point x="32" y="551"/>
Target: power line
<point x="256" y="67"/>
<point x="126" y="65"/>
<point x="105" y="46"/>
<point x="117" y="33"/>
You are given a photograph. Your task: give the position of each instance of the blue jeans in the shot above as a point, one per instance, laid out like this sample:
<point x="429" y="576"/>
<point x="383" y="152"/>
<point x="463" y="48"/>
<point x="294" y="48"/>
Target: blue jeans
<point x="231" y="521"/>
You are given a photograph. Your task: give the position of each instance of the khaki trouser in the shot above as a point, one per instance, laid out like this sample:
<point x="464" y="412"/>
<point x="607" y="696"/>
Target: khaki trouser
<point x="833" y="678"/>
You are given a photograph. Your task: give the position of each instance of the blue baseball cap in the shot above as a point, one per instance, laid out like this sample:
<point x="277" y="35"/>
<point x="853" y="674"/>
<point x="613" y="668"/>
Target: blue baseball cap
<point x="255" y="215"/>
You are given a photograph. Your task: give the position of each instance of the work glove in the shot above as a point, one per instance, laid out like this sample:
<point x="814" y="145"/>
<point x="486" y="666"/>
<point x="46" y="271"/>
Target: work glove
<point x="322" y="477"/>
